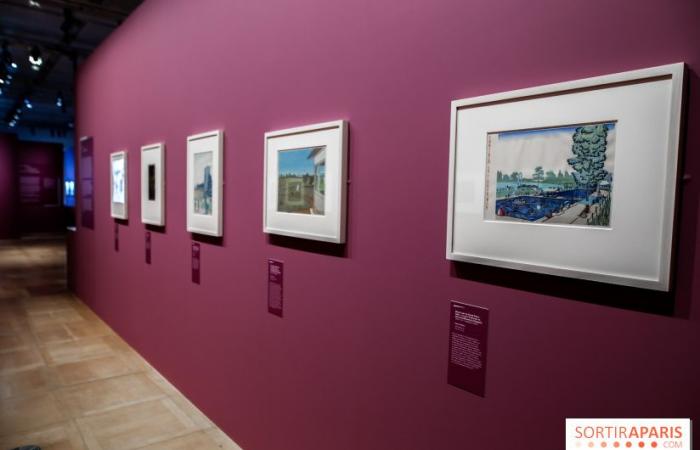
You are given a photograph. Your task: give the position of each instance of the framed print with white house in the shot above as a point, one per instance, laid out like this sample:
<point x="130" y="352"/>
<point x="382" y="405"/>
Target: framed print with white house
<point x="118" y="185"/>
<point x="575" y="179"/>
<point x="153" y="184"/>
<point x="305" y="182"/>
<point x="205" y="162"/>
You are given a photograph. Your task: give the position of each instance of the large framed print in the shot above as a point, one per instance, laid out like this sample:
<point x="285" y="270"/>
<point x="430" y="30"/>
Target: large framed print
<point x="118" y="185"/>
<point x="205" y="162"/>
<point x="575" y="179"/>
<point x="305" y="182"/>
<point x="153" y="185"/>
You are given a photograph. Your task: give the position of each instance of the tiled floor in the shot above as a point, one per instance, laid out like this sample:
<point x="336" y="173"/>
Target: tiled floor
<point x="67" y="381"/>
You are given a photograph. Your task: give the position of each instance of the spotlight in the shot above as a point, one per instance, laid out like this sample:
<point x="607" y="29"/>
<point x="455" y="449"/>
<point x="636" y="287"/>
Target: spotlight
<point x="12" y="123"/>
<point x="34" y="4"/>
<point x="2" y="81"/>
<point x="59" y="100"/>
<point x="35" y="58"/>
<point x="6" y="57"/>
<point x="28" y="103"/>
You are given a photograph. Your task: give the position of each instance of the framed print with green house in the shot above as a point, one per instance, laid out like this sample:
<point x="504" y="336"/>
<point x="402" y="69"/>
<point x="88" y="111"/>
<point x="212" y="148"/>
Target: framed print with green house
<point x="305" y="178"/>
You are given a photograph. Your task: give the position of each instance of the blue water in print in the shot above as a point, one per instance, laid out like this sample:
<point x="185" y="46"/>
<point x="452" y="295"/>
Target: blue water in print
<point x="535" y="207"/>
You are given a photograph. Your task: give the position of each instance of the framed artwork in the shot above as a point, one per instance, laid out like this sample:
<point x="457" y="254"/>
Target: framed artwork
<point x="205" y="183"/>
<point x="87" y="181"/>
<point x="119" y="187"/>
<point x="305" y="182"/>
<point x="153" y="184"/>
<point x="575" y="179"/>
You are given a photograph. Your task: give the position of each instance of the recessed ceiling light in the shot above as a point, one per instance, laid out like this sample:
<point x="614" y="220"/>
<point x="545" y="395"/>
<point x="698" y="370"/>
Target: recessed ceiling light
<point x="35" y="58"/>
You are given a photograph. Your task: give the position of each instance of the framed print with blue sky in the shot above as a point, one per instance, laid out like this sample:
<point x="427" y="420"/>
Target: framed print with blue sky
<point x="205" y="183"/>
<point x="575" y="179"/>
<point x="305" y="182"/>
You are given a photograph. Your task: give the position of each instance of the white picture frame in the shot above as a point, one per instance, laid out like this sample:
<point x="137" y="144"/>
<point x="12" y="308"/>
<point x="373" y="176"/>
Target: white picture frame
<point x="118" y="185"/>
<point x="635" y="246"/>
<point x="153" y="184"/>
<point x="205" y="165"/>
<point x="305" y="186"/>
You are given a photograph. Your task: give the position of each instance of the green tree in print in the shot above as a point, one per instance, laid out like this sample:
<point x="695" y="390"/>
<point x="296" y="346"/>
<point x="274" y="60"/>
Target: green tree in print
<point x="538" y="175"/>
<point x="590" y="144"/>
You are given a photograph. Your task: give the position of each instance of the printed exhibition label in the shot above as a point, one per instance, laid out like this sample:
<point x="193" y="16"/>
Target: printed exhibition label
<point x="148" y="247"/>
<point x="196" y="255"/>
<point x="275" y="289"/>
<point x="466" y="367"/>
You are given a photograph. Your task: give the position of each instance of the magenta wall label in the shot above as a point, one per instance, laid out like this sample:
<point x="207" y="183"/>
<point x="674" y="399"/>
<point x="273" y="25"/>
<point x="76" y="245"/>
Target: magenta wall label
<point x="148" y="247"/>
<point x="466" y="368"/>
<point x="116" y="236"/>
<point x="196" y="254"/>
<point x="275" y="286"/>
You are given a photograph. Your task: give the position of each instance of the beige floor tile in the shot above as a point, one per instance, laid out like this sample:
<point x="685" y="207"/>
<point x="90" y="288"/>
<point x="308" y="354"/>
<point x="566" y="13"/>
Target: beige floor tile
<point x="93" y="369"/>
<point x="14" y="342"/>
<point x="86" y="328"/>
<point x="19" y="360"/>
<point x="79" y="350"/>
<point x="195" y="415"/>
<point x="54" y="317"/>
<point x="212" y="439"/>
<point x="26" y="383"/>
<point x="19" y="414"/>
<point x="53" y="333"/>
<point x="58" y="360"/>
<point x="12" y="324"/>
<point x="63" y="436"/>
<point x="135" y="426"/>
<point x="102" y="395"/>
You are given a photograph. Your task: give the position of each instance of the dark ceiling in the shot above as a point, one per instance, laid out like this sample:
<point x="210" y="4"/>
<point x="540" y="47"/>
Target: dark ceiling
<point x="65" y="32"/>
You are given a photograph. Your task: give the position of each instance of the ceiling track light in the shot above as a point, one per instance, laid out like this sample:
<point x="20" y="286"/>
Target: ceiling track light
<point x="59" y="100"/>
<point x="6" y="57"/>
<point x="28" y="103"/>
<point x="35" y="58"/>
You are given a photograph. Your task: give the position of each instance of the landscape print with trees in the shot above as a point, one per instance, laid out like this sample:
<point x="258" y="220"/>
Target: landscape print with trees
<point x="560" y="175"/>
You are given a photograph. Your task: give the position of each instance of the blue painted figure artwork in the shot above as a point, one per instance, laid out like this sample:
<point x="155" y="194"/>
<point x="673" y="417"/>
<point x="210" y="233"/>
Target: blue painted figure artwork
<point x="118" y="195"/>
<point x="560" y="175"/>
<point x="203" y="183"/>
<point x="301" y="185"/>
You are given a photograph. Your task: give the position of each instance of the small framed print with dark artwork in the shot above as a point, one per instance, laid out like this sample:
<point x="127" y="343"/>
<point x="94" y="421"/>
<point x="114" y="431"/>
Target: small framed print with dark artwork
<point x="305" y="178"/>
<point x="575" y="179"/>
<point x="153" y="185"/>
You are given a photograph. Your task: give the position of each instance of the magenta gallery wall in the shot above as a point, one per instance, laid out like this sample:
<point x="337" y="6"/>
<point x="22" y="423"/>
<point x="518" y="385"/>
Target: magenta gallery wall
<point x="8" y="187"/>
<point x="30" y="187"/>
<point x="359" y="360"/>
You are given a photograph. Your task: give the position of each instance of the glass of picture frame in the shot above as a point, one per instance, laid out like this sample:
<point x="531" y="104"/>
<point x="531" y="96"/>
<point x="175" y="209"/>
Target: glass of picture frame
<point x="153" y="184"/>
<point x="205" y="153"/>
<point x="575" y="179"/>
<point x="118" y="185"/>
<point x="305" y="182"/>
